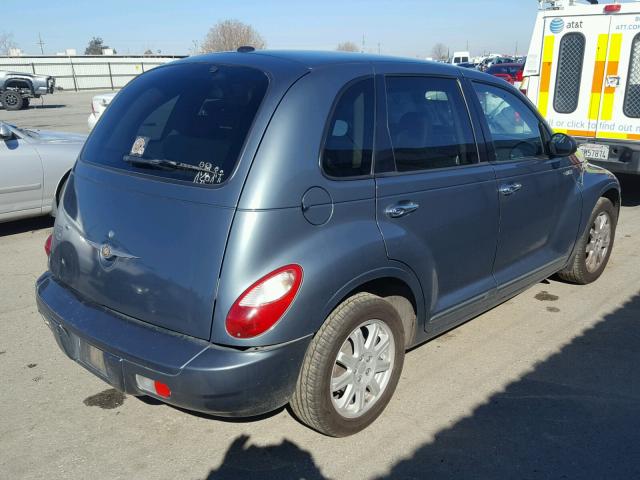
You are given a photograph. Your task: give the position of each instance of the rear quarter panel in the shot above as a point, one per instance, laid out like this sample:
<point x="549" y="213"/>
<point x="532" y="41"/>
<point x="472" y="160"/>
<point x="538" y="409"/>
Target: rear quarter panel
<point x="270" y="230"/>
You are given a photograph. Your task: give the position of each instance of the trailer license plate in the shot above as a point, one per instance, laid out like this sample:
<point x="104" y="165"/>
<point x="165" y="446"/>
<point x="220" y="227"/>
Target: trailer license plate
<point x="593" y="151"/>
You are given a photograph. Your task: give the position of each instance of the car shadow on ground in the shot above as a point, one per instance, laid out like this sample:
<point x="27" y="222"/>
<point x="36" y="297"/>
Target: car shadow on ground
<point x="35" y="106"/>
<point x="630" y="190"/>
<point x="574" y="415"/>
<point x="26" y="225"/>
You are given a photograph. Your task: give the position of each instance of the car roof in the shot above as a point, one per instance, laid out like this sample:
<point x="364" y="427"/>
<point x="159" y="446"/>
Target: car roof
<point x="313" y="59"/>
<point x="510" y="64"/>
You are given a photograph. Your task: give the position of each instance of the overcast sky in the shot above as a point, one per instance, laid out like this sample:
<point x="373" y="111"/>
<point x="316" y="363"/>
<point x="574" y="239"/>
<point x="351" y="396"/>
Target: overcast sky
<point x="401" y="27"/>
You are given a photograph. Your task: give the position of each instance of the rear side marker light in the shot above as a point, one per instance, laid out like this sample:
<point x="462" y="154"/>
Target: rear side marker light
<point x="47" y="245"/>
<point x="264" y="303"/>
<point x="612" y="8"/>
<point x="153" y="386"/>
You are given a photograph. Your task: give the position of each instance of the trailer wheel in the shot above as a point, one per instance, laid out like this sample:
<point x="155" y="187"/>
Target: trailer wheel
<point x="11" y="100"/>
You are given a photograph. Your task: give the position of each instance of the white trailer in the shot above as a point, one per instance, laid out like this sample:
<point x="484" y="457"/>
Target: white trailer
<point x="583" y="73"/>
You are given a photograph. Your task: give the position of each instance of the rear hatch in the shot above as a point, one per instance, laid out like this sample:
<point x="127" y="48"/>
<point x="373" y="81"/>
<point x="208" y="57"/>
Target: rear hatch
<point x="146" y="214"/>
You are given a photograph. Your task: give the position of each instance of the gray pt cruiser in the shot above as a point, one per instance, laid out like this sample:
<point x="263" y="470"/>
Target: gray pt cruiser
<point x="284" y="226"/>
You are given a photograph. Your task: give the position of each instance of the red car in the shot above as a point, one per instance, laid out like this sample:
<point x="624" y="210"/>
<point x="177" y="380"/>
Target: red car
<point x="509" y="72"/>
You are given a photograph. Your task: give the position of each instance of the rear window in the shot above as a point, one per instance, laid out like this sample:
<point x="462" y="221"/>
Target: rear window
<point x="497" y="69"/>
<point x="185" y="122"/>
<point x="429" y="124"/>
<point x="570" y="59"/>
<point x="631" y="106"/>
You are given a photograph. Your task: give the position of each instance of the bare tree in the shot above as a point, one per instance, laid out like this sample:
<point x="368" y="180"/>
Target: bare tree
<point x="6" y="43"/>
<point x="440" y="52"/>
<point x="228" y="35"/>
<point x="347" y="47"/>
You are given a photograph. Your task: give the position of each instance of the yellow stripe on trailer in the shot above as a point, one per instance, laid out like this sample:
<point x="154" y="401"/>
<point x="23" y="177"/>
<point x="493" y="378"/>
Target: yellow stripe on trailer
<point x="545" y="74"/>
<point x="612" y="71"/>
<point x="615" y="135"/>
<point x="598" y="76"/>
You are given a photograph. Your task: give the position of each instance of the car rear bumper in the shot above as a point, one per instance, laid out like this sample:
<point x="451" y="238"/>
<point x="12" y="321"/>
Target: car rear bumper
<point x="202" y="376"/>
<point x="624" y="155"/>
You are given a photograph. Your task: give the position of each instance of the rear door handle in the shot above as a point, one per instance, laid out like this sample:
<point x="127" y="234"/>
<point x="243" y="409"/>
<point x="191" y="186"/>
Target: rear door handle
<point x="401" y="209"/>
<point x="510" y="188"/>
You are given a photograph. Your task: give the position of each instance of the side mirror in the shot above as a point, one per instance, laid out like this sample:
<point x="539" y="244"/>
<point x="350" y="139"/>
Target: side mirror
<point x="562" y="145"/>
<point x="5" y="132"/>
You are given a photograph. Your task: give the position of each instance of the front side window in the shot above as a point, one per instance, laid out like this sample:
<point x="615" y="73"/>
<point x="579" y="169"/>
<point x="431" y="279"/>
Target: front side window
<point x="514" y="128"/>
<point x="632" y="95"/>
<point x="185" y="122"/>
<point x="429" y="124"/>
<point x="570" y="58"/>
<point x="348" y="148"/>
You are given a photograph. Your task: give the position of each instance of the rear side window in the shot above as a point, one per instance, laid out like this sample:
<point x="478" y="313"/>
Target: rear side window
<point x="185" y="122"/>
<point x="349" y="144"/>
<point x="632" y="95"/>
<point x="570" y="59"/>
<point x="429" y="124"/>
<point x="514" y="128"/>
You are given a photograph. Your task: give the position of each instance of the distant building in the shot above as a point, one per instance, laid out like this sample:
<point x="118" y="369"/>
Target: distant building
<point x="69" y="52"/>
<point x="15" y="52"/>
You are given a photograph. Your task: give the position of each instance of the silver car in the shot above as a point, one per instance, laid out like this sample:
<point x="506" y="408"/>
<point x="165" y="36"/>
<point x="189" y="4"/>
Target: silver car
<point x="34" y="166"/>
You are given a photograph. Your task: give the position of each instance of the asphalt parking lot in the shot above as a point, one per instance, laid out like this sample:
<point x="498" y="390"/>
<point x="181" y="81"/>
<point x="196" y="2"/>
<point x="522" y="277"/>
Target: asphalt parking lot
<point x="546" y="385"/>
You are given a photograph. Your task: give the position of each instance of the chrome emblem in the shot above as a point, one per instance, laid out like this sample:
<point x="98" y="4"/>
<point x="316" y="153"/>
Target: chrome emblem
<point x="110" y="253"/>
<point x="105" y="251"/>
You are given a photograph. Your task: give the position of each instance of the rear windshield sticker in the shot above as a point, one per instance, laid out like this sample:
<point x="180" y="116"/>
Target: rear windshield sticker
<point x="137" y="149"/>
<point x="210" y="176"/>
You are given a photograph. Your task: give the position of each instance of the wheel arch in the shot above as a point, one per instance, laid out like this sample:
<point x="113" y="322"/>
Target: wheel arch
<point x="19" y="83"/>
<point x="56" y="197"/>
<point x="398" y="286"/>
<point x="613" y="194"/>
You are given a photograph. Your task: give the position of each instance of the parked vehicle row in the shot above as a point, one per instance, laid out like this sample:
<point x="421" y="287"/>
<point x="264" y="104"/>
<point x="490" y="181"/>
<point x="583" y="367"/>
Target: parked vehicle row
<point x="205" y="254"/>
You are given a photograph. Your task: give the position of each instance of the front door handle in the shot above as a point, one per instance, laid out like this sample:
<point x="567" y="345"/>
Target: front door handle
<point x="401" y="209"/>
<point x="510" y="188"/>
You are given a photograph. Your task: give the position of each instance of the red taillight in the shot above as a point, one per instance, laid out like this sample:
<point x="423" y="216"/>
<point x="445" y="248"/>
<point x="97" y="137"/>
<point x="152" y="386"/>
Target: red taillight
<point x="263" y="303"/>
<point x="162" y="389"/>
<point x="519" y="75"/>
<point x="47" y="245"/>
<point x="612" y="8"/>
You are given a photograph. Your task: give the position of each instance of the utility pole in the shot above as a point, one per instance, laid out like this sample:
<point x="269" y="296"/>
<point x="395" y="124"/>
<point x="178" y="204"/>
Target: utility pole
<point x="378" y="48"/>
<point x="363" y="43"/>
<point x="41" y="43"/>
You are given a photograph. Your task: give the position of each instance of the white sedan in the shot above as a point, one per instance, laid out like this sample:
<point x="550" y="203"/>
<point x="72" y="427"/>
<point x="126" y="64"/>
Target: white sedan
<point x="99" y="104"/>
<point x="34" y="165"/>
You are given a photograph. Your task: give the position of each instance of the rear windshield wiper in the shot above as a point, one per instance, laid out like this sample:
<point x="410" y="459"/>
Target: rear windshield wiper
<point x="162" y="163"/>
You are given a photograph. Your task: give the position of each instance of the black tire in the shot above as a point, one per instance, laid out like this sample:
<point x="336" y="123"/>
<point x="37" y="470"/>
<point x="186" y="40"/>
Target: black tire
<point x="25" y="103"/>
<point x="312" y="400"/>
<point x="11" y="100"/>
<point x="577" y="271"/>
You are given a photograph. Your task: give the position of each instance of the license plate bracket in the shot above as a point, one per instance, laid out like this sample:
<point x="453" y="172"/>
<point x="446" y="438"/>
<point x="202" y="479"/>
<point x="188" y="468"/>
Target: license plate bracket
<point x="93" y="358"/>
